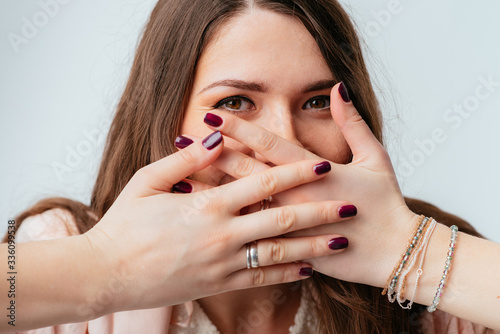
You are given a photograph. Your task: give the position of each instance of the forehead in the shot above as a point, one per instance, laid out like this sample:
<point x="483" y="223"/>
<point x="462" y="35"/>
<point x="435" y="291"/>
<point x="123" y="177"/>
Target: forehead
<point x="263" y="46"/>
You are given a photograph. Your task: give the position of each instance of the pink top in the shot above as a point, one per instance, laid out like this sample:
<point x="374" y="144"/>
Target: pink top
<point x="189" y="317"/>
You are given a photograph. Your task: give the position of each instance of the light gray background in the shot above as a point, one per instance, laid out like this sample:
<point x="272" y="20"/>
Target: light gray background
<point x="59" y="90"/>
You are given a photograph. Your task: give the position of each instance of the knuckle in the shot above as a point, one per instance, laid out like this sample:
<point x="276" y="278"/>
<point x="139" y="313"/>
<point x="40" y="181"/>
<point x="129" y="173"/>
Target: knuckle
<point x="288" y="276"/>
<point x="384" y="156"/>
<point x="258" y="277"/>
<point x="188" y="157"/>
<point x="325" y="214"/>
<point x="269" y="182"/>
<point x="354" y="121"/>
<point x="219" y="241"/>
<point x="231" y="124"/>
<point x="278" y="252"/>
<point x="142" y="172"/>
<point x="317" y="249"/>
<point x="213" y="206"/>
<point x="266" y="141"/>
<point x="244" y="167"/>
<point x="285" y="219"/>
<point x="302" y="175"/>
<point x="143" y="175"/>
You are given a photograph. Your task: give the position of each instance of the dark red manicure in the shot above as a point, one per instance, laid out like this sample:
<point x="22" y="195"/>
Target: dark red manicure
<point x="213" y="120"/>
<point x="212" y="140"/>
<point x="344" y="93"/>
<point x="347" y="211"/>
<point x="338" y="243"/>
<point x="322" y="168"/>
<point x="182" y="187"/>
<point x="306" y="272"/>
<point x="182" y="142"/>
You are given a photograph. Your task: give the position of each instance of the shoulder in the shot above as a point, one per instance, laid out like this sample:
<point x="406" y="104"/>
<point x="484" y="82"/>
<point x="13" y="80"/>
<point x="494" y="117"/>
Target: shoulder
<point x="440" y="322"/>
<point x="51" y="224"/>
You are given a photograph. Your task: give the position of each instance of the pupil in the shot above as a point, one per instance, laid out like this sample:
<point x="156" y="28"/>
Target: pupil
<point x="234" y="104"/>
<point x="317" y="103"/>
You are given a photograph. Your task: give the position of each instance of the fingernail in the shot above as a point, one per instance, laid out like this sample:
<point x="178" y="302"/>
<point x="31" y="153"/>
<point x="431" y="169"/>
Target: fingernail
<point x="344" y="93"/>
<point x="306" y="272"/>
<point x="347" y="211"/>
<point x="212" y="141"/>
<point x="212" y="120"/>
<point x="182" y="142"/>
<point x="182" y="187"/>
<point x="322" y="168"/>
<point x="338" y="243"/>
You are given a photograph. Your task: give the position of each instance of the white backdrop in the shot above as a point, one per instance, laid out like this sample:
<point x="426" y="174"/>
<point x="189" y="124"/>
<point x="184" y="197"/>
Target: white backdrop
<point x="436" y="65"/>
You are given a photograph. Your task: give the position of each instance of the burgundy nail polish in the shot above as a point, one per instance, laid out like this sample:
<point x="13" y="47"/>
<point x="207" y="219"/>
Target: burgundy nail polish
<point x="306" y="272"/>
<point x="212" y="140"/>
<point x="322" y="168"/>
<point x="212" y="120"/>
<point x="338" y="243"/>
<point x="347" y="211"/>
<point x="182" y="142"/>
<point x="344" y="93"/>
<point x="182" y="187"/>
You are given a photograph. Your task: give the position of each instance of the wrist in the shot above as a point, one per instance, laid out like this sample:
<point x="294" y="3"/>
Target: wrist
<point x="108" y="281"/>
<point x="402" y="224"/>
<point x="433" y="266"/>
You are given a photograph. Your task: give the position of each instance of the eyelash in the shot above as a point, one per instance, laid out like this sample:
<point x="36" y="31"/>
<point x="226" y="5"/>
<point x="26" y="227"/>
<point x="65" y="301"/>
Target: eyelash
<point x="327" y="99"/>
<point x="220" y="104"/>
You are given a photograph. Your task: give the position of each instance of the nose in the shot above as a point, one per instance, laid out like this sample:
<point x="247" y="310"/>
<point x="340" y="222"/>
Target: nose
<point x="281" y="122"/>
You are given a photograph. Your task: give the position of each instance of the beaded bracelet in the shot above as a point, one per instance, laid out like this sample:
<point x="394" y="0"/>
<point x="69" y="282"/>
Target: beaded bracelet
<point x="414" y="241"/>
<point x="403" y="257"/>
<point x="422" y="249"/>
<point x="447" y="266"/>
<point x="401" y="284"/>
<point x="417" y="239"/>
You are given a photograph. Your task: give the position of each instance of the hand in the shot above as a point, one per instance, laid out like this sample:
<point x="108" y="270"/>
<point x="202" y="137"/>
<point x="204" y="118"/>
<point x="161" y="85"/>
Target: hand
<point x="378" y="233"/>
<point x="181" y="247"/>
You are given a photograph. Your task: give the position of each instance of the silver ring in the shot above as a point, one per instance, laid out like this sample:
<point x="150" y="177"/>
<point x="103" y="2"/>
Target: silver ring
<point x="266" y="203"/>
<point x="254" y="258"/>
<point x="249" y="260"/>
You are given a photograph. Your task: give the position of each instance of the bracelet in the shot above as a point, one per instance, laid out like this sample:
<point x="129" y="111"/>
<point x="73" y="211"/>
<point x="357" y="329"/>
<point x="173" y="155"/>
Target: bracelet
<point x="447" y="266"/>
<point x="401" y="285"/>
<point x="425" y="243"/>
<point x="393" y="278"/>
<point x="413" y="242"/>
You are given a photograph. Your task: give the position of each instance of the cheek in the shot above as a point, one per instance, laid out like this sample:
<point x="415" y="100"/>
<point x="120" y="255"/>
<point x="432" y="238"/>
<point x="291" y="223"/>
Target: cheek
<point x="325" y="140"/>
<point x="193" y="124"/>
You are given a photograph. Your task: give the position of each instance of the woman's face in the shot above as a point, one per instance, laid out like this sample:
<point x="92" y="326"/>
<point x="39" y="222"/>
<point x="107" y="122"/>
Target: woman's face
<point x="267" y="69"/>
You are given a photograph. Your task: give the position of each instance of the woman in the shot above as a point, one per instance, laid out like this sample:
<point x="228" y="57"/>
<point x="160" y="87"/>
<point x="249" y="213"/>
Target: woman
<point x="260" y="72"/>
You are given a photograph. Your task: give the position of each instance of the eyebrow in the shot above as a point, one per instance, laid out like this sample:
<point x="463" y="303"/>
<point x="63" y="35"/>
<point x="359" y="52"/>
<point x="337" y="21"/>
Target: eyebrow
<point x="261" y="88"/>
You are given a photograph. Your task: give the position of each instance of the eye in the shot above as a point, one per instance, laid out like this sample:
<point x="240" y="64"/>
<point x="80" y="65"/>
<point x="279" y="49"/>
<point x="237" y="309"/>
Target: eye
<point x="235" y="104"/>
<point x="318" y="102"/>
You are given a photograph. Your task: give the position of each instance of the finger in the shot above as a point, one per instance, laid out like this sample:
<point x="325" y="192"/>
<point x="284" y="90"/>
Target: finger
<point x="274" y="148"/>
<point x="358" y="135"/>
<point x="287" y="250"/>
<point x="189" y="186"/>
<point x="237" y="164"/>
<point x="256" y="187"/>
<point x="285" y="219"/>
<point x="231" y="162"/>
<point x="271" y="275"/>
<point x="161" y="175"/>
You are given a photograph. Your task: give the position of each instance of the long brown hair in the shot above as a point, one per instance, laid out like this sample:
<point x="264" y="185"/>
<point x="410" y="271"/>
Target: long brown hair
<point x="150" y="113"/>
